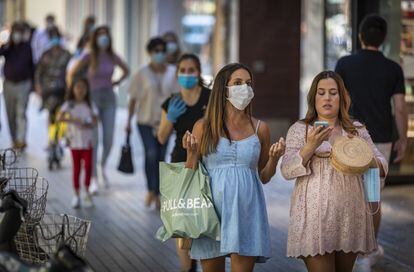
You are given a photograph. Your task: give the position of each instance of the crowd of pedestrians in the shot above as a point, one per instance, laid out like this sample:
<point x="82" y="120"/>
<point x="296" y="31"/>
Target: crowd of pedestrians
<point x="329" y="225"/>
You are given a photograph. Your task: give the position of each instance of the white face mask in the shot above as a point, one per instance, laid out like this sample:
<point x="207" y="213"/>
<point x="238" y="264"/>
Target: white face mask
<point x="17" y="37"/>
<point x="240" y="96"/>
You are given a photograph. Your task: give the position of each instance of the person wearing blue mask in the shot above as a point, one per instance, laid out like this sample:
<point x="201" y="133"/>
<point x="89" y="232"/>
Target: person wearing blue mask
<point x="40" y="41"/>
<point x="99" y="64"/>
<point x="50" y="75"/>
<point x="149" y="88"/>
<point x="179" y="113"/>
<point x="173" y="47"/>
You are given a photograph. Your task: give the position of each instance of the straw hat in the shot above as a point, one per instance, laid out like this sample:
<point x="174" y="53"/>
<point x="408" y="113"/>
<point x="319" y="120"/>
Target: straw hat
<point x="351" y="156"/>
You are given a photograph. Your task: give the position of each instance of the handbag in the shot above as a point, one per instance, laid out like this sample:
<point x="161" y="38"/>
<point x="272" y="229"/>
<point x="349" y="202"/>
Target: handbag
<point x="125" y="163"/>
<point x="187" y="209"/>
<point x="351" y="156"/>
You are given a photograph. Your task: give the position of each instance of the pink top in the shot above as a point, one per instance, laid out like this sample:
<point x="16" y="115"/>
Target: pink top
<point x="101" y="78"/>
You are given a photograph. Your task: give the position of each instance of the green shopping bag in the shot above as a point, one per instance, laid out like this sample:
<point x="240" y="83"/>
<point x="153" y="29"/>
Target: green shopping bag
<point x="187" y="208"/>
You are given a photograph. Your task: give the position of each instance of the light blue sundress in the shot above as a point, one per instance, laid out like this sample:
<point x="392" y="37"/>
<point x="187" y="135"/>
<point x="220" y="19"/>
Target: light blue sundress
<point x="239" y="200"/>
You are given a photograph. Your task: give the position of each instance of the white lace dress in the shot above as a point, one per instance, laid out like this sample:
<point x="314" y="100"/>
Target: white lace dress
<point x="328" y="209"/>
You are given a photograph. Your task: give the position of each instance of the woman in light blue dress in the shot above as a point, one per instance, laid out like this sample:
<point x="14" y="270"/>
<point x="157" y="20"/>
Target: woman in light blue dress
<point x="235" y="148"/>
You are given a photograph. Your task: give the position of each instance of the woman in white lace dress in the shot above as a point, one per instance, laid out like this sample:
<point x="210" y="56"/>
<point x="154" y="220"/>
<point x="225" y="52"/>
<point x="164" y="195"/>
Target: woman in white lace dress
<point x="329" y="218"/>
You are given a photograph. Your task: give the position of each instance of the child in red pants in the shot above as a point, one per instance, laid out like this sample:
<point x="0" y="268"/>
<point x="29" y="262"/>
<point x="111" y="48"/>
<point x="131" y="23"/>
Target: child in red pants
<point x="78" y="112"/>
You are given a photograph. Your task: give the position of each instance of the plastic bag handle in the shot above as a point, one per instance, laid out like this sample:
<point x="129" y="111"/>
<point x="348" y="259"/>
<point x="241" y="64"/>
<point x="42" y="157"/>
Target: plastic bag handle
<point x="370" y="208"/>
<point x="202" y="167"/>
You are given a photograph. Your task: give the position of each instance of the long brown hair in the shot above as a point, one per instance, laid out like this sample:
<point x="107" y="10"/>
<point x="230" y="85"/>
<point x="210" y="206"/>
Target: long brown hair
<point x="215" y="125"/>
<point x="94" y="63"/>
<point x="344" y="102"/>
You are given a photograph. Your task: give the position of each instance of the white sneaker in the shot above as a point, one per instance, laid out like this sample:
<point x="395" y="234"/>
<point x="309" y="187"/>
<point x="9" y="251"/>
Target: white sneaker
<point x="93" y="187"/>
<point x="377" y="255"/>
<point x="76" y="202"/>
<point x="362" y="264"/>
<point x="87" y="201"/>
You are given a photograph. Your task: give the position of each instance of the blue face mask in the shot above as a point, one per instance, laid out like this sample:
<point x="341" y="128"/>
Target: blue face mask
<point x="172" y="47"/>
<point x="103" y="41"/>
<point x="78" y="52"/>
<point x="158" y="57"/>
<point x="187" y="81"/>
<point x="54" y="41"/>
<point x="372" y="185"/>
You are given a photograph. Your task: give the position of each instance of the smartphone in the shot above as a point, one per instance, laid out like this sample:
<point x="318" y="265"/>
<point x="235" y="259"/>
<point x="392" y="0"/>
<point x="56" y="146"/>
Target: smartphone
<point x="324" y="124"/>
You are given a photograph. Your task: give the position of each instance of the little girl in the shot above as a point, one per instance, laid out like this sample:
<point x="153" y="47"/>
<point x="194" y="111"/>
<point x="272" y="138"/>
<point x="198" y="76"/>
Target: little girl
<point x="80" y="115"/>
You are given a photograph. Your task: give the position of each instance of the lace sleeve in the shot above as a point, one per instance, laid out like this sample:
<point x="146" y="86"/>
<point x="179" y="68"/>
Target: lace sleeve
<point x="292" y="166"/>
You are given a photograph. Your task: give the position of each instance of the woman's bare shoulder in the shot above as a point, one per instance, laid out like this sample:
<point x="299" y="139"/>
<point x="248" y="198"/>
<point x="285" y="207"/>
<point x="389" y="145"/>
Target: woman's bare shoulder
<point x="199" y="126"/>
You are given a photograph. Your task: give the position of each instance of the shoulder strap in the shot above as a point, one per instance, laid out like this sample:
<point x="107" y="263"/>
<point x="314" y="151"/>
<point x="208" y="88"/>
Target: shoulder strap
<point x="257" y="126"/>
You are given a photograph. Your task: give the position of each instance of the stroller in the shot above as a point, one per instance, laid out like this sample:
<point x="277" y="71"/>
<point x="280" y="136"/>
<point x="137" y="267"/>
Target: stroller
<point x="55" y="150"/>
<point x="52" y="101"/>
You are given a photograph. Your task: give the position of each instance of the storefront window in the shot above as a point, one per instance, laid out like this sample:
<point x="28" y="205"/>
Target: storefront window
<point x="338" y="34"/>
<point x="198" y="26"/>
<point x="407" y="59"/>
<point x="407" y="41"/>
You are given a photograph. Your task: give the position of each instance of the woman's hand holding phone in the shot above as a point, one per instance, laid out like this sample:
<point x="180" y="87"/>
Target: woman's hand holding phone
<point x="318" y="133"/>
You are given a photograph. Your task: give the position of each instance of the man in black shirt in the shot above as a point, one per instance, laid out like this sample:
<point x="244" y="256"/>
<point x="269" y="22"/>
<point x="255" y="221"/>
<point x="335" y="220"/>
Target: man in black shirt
<point x="373" y="81"/>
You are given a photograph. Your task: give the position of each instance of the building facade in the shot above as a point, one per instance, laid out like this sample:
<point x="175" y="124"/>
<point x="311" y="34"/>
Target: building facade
<point x="285" y="43"/>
